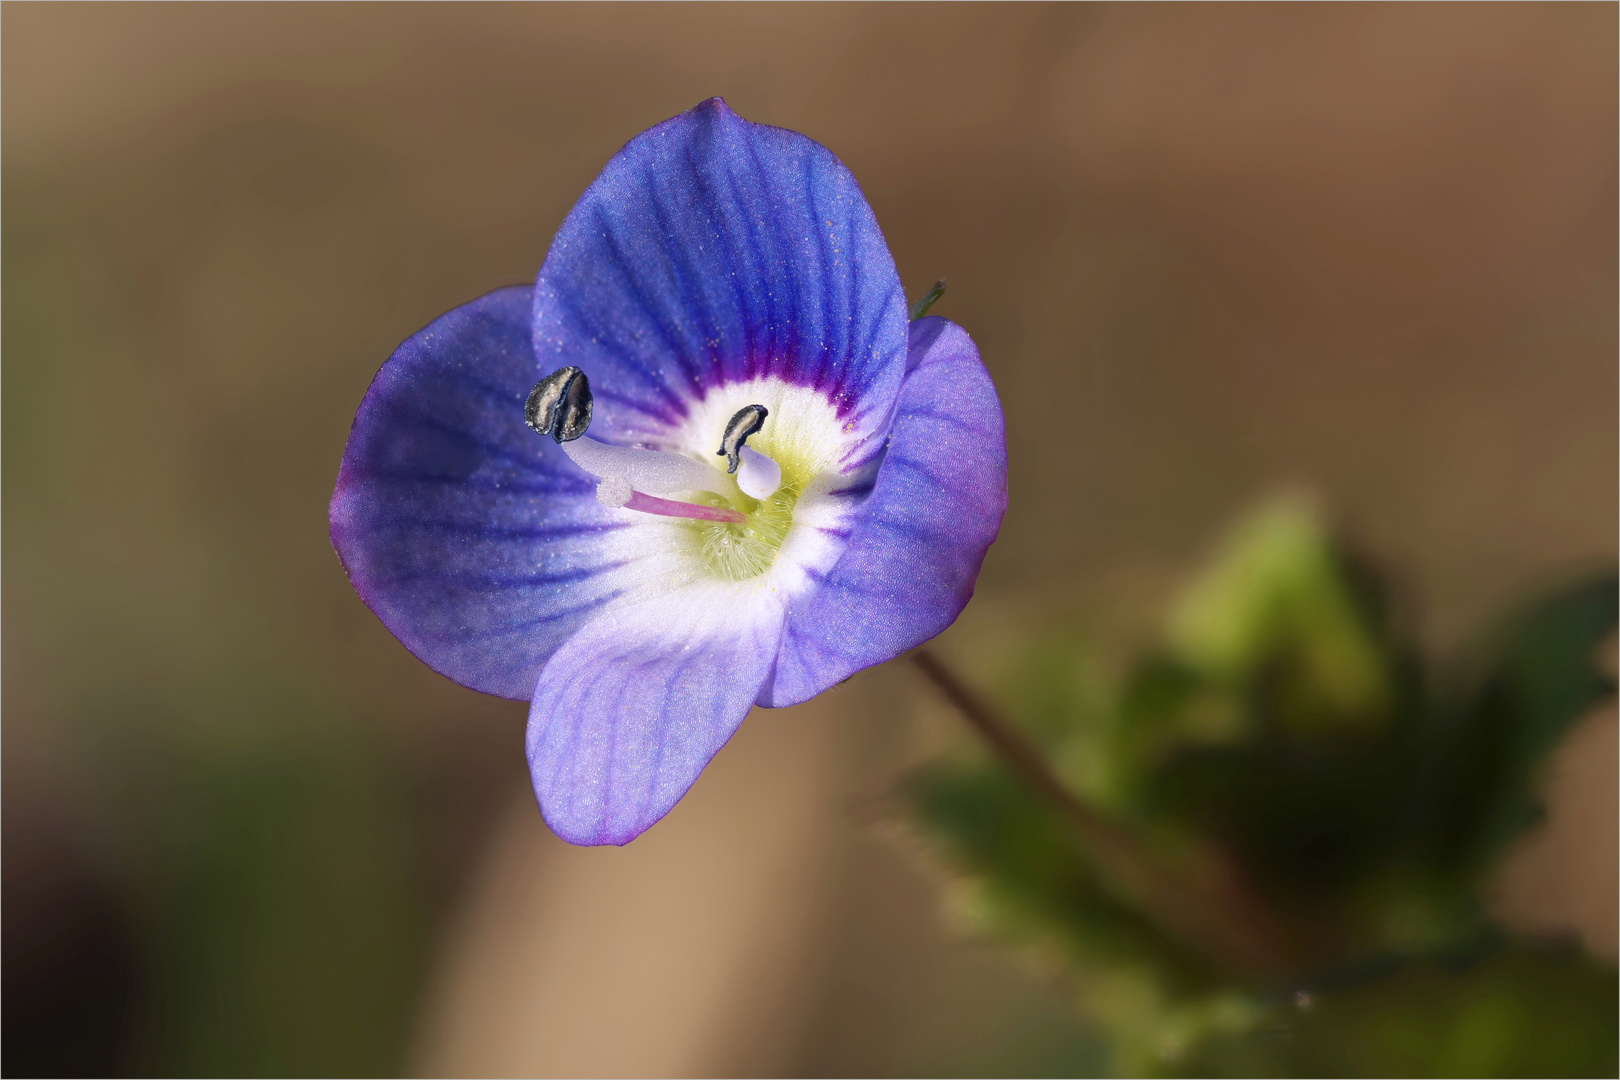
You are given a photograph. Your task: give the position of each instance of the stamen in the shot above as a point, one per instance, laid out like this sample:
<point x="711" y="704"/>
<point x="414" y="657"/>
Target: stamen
<point x="652" y="471"/>
<point x="560" y="405"/>
<point x="743" y="423"/>
<point x="631" y="477"/>
<point x="759" y="476"/>
<point x="647" y="504"/>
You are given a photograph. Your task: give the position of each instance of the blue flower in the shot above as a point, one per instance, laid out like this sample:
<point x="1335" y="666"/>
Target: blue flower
<point x="743" y="475"/>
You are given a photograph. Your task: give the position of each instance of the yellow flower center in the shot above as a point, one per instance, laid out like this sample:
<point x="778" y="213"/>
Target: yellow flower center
<point x="746" y="549"/>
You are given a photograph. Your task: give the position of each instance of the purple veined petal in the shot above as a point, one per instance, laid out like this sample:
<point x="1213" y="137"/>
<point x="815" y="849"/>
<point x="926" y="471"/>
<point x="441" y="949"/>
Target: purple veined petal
<point x="712" y="250"/>
<point x="472" y="538"/>
<point x="629" y="711"/>
<point x="915" y="549"/>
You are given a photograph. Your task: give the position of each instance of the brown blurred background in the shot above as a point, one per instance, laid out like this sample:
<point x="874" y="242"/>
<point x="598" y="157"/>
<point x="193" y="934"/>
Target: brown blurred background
<point x="1205" y="251"/>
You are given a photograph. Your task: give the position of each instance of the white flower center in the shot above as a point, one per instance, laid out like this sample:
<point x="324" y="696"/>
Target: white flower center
<point x="789" y="452"/>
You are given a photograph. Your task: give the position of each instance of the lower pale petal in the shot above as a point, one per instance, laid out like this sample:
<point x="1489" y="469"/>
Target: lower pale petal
<point x="915" y="549"/>
<point x="629" y="711"/>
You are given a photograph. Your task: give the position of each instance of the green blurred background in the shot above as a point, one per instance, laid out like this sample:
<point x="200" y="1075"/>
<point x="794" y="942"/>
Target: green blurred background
<point x="1367" y="251"/>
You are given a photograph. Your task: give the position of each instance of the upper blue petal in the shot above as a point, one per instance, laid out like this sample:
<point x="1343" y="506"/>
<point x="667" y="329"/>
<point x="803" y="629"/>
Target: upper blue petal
<point x="473" y="539"/>
<point x="713" y="250"/>
<point x="914" y="553"/>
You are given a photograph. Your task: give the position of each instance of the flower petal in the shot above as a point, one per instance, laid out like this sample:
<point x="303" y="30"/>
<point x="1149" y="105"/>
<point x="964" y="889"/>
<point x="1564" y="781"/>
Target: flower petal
<point x="473" y="539"/>
<point x="712" y="250"/>
<point x="915" y="550"/>
<point x="630" y="710"/>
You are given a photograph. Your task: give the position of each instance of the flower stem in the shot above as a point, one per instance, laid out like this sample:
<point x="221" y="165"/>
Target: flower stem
<point x="1206" y="904"/>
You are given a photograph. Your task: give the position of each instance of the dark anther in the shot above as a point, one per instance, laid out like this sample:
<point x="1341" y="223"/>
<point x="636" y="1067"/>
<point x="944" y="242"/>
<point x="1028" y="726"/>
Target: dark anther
<point x="746" y="421"/>
<point x="560" y="405"/>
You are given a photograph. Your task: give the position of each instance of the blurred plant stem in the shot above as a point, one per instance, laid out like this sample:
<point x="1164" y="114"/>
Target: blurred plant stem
<point x="1205" y="901"/>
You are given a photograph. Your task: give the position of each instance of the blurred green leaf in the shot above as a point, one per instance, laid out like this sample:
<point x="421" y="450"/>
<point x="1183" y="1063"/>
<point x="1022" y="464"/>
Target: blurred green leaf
<point x="1481" y="762"/>
<point x="1065" y="699"/>
<point x="1031" y="885"/>
<point x="1276" y="605"/>
<point x="1286" y="725"/>
<point x="1525" y="1010"/>
<point x="1036" y="882"/>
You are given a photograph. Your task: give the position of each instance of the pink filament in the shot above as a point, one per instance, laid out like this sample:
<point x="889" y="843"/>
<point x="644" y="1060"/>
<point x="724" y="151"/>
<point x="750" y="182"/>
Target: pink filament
<point x="650" y="504"/>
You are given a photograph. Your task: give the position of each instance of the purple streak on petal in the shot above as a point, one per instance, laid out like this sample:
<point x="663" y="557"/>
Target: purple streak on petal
<point x="473" y="539"/>
<point x="629" y="711"/>
<point x="915" y="551"/>
<point x="712" y="250"/>
<point x="855" y="492"/>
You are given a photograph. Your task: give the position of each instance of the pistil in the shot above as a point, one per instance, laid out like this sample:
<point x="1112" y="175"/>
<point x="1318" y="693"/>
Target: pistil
<point x="651" y="504"/>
